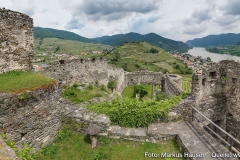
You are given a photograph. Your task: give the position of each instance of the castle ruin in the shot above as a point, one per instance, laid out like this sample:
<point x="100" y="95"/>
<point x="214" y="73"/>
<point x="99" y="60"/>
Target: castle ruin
<point x="216" y="93"/>
<point x="37" y="120"/>
<point x="16" y="41"/>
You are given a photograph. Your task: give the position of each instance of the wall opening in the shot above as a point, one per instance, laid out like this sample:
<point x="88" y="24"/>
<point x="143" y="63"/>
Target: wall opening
<point x="62" y="61"/>
<point x="212" y="75"/>
<point x="94" y="59"/>
<point x="23" y="134"/>
<point x="81" y="60"/>
<point x="204" y="81"/>
<point x="234" y="80"/>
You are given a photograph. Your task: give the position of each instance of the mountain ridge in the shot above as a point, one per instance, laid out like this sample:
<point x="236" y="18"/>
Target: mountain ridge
<point x="40" y="33"/>
<point x="151" y="38"/>
<point x="215" y="40"/>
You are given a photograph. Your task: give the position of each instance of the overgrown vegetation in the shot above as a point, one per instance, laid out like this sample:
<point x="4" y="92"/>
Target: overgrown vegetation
<point x="162" y="96"/>
<point x="20" y="81"/>
<point x="74" y="146"/>
<point x="111" y="85"/>
<point x="128" y="92"/>
<point x="85" y="93"/>
<point x="140" y="90"/>
<point x="25" y="153"/>
<point x="135" y="113"/>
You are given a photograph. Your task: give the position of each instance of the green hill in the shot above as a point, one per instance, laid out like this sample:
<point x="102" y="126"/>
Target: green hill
<point x="44" y="48"/>
<point x="50" y="45"/>
<point x="138" y="56"/>
<point x="151" y="38"/>
<point x="40" y="33"/>
<point x="215" y="40"/>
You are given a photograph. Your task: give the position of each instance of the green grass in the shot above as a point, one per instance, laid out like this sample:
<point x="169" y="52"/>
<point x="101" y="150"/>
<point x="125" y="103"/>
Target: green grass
<point x="187" y="83"/>
<point x="128" y="91"/>
<point x="20" y="81"/>
<point x="74" y="146"/>
<point x="186" y="86"/>
<point x="77" y="96"/>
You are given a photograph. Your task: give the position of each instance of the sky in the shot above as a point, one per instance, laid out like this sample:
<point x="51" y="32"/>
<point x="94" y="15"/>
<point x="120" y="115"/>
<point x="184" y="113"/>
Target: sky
<point x="180" y="20"/>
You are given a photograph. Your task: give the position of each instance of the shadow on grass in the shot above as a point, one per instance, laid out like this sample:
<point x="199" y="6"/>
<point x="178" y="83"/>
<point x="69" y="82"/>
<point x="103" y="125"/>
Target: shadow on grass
<point x="87" y="139"/>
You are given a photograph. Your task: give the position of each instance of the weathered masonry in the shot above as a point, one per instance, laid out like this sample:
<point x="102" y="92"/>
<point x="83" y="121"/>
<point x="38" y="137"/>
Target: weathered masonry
<point x="96" y="69"/>
<point x="33" y="117"/>
<point x="16" y="41"/>
<point x="216" y="92"/>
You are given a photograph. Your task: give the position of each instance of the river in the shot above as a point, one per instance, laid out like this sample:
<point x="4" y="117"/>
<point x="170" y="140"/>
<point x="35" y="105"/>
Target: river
<point x="215" y="57"/>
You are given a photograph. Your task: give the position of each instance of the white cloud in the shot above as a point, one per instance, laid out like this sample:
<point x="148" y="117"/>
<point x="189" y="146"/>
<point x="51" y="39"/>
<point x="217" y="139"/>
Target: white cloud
<point x="174" y="19"/>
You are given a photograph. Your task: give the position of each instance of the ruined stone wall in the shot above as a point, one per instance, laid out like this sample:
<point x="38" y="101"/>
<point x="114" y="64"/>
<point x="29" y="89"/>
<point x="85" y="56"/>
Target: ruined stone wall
<point x="86" y="71"/>
<point x="216" y="92"/>
<point x="171" y="86"/>
<point x="143" y="77"/>
<point x="91" y="70"/>
<point x="16" y="41"/>
<point x="33" y="117"/>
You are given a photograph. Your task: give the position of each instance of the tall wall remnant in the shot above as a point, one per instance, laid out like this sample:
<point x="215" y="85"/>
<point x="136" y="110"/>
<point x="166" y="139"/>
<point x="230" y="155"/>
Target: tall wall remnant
<point x="96" y="69"/>
<point x="216" y="92"/>
<point x="86" y="71"/>
<point x="16" y="41"/>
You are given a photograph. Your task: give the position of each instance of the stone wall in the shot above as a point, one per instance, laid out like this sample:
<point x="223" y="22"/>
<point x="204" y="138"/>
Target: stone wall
<point x="16" y="41"/>
<point x="81" y="118"/>
<point x="86" y="71"/>
<point x="216" y="92"/>
<point x="33" y="117"/>
<point x="91" y="70"/>
<point x="171" y="84"/>
<point x="143" y="77"/>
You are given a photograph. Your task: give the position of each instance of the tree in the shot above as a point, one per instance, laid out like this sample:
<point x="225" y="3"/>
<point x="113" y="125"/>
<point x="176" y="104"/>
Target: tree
<point x="111" y="85"/>
<point x="57" y="49"/>
<point x="140" y="90"/>
<point x="153" y="50"/>
<point x="209" y="59"/>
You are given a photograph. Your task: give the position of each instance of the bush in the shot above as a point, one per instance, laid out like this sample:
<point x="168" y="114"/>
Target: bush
<point x="162" y="96"/>
<point x="141" y="90"/>
<point x="103" y="88"/>
<point x="90" y="86"/>
<point x="75" y="85"/>
<point x="135" y="113"/>
<point x="153" y="50"/>
<point x="111" y="85"/>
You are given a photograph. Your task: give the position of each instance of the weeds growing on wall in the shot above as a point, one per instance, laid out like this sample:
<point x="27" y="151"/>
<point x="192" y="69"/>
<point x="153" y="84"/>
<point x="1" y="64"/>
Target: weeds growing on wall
<point x="135" y="113"/>
<point x="25" y="153"/>
<point x="77" y="96"/>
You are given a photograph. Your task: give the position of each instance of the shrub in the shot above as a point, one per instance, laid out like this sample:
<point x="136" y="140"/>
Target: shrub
<point x="162" y="96"/>
<point x="75" y="85"/>
<point x="90" y="86"/>
<point x="135" y="113"/>
<point x="103" y="88"/>
<point x="111" y="85"/>
<point x="153" y="50"/>
<point x="141" y="90"/>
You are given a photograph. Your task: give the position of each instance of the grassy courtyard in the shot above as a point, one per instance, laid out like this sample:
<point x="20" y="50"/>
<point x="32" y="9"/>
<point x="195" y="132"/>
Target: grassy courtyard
<point x="20" y="81"/>
<point x="73" y="146"/>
